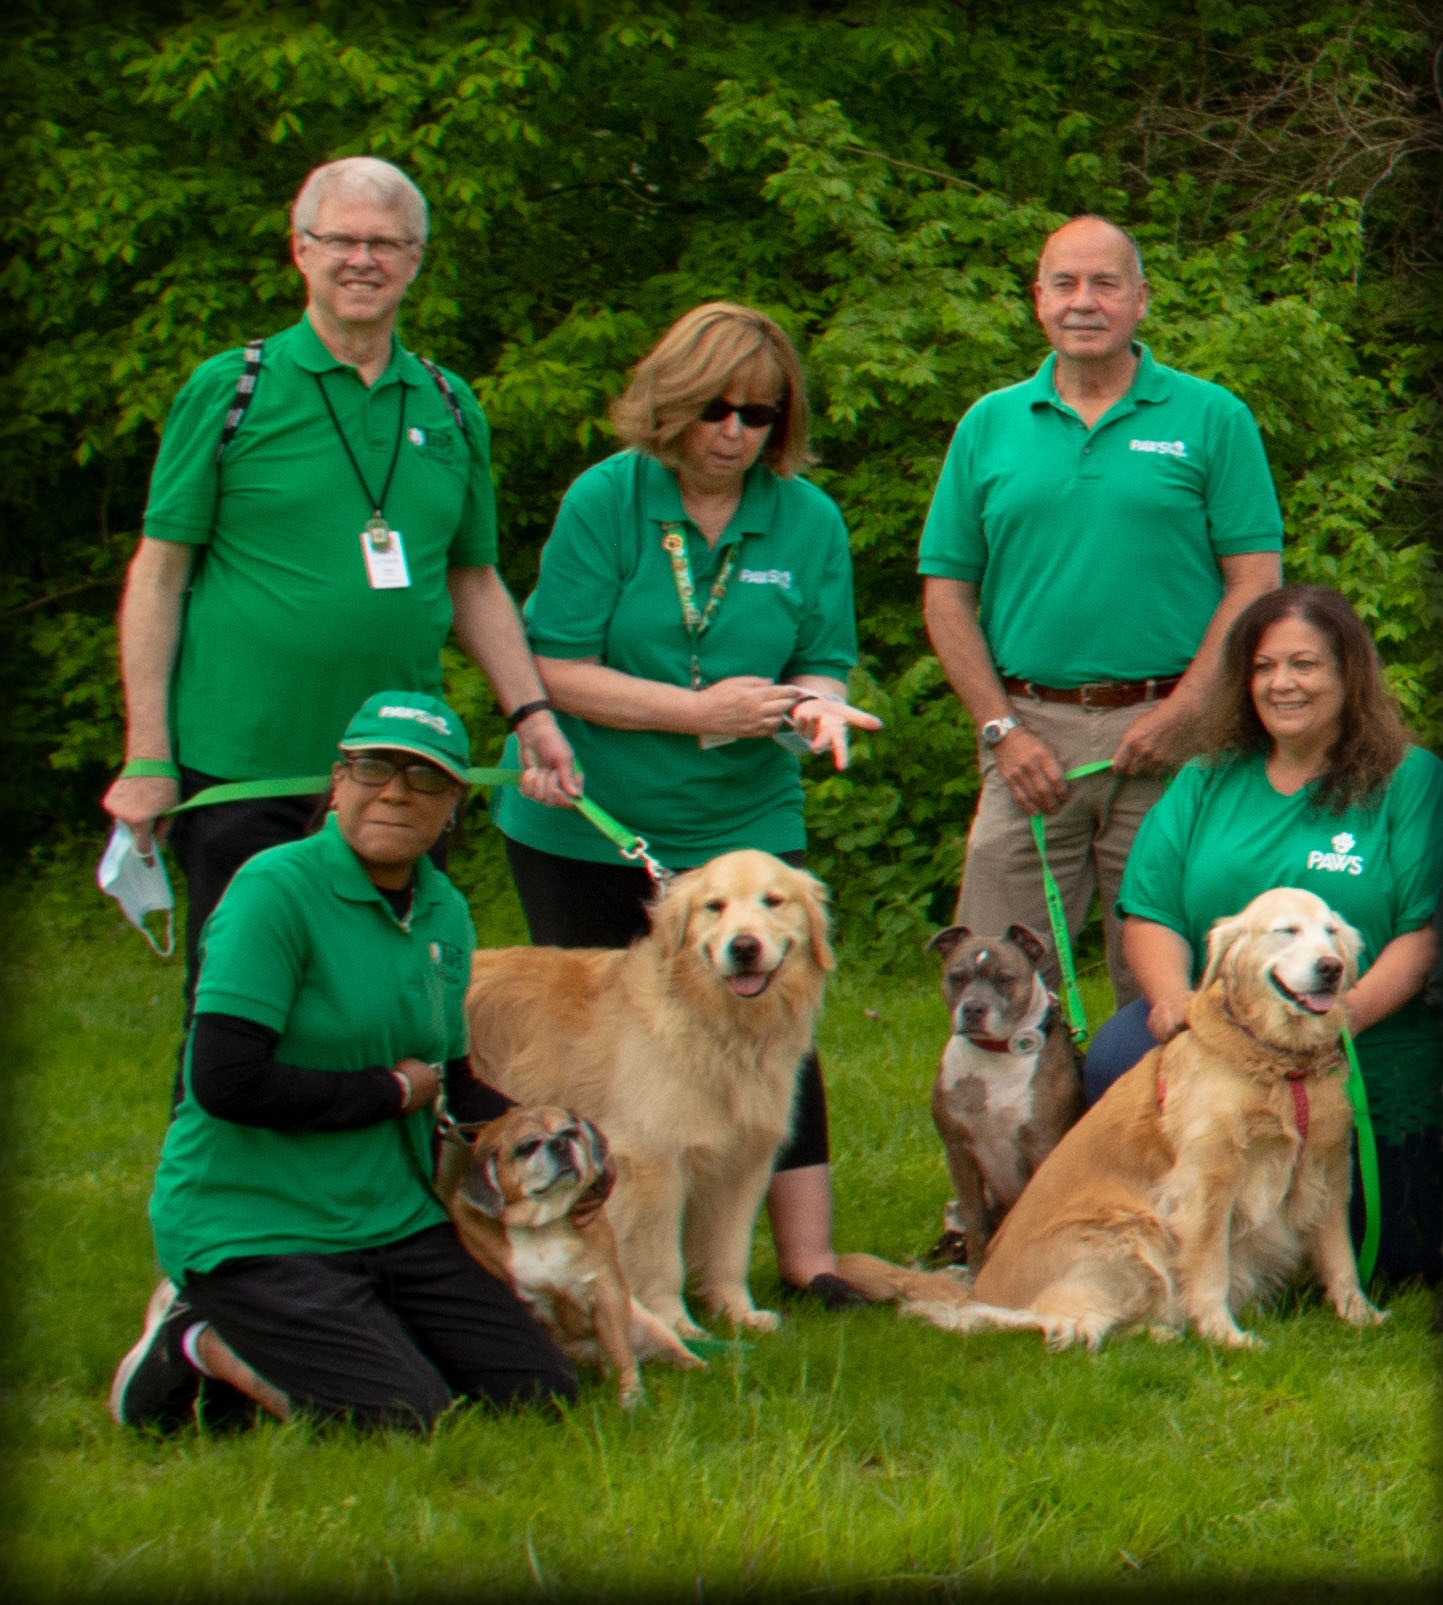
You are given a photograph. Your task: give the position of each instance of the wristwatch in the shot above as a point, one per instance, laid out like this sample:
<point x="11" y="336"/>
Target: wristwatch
<point x="994" y="730"/>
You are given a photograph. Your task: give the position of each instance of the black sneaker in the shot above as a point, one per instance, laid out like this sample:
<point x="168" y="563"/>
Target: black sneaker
<point x="155" y="1385"/>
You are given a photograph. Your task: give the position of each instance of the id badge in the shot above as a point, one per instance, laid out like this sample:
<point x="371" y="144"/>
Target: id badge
<point x="708" y="742"/>
<point x="385" y="557"/>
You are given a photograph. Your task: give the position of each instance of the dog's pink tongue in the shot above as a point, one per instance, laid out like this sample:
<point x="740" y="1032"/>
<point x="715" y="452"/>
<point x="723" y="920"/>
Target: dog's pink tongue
<point x="1319" y="1002"/>
<point x="749" y="984"/>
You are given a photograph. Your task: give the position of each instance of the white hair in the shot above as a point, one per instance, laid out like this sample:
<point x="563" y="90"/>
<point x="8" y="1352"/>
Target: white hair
<point x="361" y="178"/>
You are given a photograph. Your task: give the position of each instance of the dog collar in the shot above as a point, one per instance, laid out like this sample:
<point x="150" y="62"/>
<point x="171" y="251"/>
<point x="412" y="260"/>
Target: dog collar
<point x="1297" y="1083"/>
<point x="1320" y="1063"/>
<point x="1028" y="1039"/>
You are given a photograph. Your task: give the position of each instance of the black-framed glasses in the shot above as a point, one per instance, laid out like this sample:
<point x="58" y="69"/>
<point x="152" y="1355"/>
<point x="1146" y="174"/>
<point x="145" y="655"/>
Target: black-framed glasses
<point x="382" y="249"/>
<point x="753" y="414"/>
<point x="367" y="769"/>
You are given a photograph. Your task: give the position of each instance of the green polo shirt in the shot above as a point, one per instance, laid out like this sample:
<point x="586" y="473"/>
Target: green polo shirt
<point x="303" y="943"/>
<point x="1219" y="836"/>
<point x="607" y="590"/>
<point x="1096" y="550"/>
<point x="283" y="635"/>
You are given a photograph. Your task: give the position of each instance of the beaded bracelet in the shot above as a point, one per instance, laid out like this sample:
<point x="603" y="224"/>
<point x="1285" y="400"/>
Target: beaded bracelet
<point x="514" y="718"/>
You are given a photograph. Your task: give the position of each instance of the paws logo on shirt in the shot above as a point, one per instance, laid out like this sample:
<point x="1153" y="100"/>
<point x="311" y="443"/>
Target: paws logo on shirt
<point x="1342" y="860"/>
<point x="450" y="960"/>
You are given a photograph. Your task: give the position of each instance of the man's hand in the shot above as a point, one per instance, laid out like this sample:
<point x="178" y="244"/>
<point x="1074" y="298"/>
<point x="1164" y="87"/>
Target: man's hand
<point x="548" y="765"/>
<point x="138" y="802"/>
<point x="1157" y="740"/>
<point x="1030" y="770"/>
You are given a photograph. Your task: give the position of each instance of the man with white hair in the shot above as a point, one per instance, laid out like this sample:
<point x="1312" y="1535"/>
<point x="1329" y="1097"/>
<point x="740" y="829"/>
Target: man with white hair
<point x="320" y="516"/>
<point x="1094" y="532"/>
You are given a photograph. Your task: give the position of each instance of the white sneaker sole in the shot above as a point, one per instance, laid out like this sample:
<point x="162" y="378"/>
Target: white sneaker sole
<point x="156" y="1311"/>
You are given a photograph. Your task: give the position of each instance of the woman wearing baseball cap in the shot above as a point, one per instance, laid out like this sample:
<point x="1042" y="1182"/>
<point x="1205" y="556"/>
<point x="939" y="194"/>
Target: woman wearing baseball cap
<point x="309" y="1266"/>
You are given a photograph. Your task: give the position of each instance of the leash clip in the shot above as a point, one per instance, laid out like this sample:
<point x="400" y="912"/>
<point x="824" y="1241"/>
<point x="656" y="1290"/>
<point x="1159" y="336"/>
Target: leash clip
<point x="639" y="852"/>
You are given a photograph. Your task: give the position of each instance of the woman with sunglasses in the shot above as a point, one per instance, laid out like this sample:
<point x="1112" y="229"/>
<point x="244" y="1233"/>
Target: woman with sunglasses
<point x="694" y="602"/>
<point x="309" y="1266"/>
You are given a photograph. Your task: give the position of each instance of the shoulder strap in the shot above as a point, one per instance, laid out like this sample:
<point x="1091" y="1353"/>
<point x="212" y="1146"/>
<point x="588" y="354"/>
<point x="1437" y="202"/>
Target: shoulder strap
<point x="447" y="394"/>
<point x="244" y="390"/>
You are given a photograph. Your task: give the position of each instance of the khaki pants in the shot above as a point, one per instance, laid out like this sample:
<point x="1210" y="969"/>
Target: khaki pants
<point x="1088" y="838"/>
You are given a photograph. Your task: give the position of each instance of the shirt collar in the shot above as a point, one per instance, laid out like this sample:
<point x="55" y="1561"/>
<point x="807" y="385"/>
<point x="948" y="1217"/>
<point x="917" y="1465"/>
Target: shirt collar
<point x="311" y="353"/>
<point x="349" y="880"/>
<point x="1149" y="383"/>
<point x="755" y="515"/>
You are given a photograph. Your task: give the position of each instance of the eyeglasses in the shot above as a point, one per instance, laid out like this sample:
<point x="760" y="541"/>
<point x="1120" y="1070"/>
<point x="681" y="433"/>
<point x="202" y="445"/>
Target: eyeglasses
<point x="753" y="414"/>
<point x="344" y="245"/>
<point x="368" y="770"/>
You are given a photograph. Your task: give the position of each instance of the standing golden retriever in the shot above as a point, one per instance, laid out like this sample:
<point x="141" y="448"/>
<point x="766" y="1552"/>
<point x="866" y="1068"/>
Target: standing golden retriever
<point x="684" y="1050"/>
<point x="1215" y="1168"/>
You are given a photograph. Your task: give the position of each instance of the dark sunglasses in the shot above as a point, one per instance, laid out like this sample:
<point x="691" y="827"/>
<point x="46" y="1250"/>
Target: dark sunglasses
<point x="368" y="770"/>
<point x="753" y="414"/>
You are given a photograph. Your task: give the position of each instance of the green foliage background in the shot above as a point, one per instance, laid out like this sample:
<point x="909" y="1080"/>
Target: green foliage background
<point x="877" y="176"/>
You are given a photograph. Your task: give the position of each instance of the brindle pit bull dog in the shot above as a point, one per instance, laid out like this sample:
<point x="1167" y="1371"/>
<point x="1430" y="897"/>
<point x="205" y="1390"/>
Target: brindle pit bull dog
<point x="1008" y="1087"/>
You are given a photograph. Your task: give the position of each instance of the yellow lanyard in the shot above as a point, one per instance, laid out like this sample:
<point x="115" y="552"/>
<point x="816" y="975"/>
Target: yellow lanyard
<point x="695" y="623"/>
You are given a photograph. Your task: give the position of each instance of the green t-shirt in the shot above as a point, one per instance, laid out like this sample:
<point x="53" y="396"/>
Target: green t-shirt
<point x="1219" y="836"/>
<point x="304" y="944"/>
<point x="607" y="589"/>
<point x="1096" y="550"/>
<point x="284" y="636"/>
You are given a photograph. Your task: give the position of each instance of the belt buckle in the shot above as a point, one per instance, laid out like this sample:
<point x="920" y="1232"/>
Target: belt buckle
<point x="1084" y="693"/>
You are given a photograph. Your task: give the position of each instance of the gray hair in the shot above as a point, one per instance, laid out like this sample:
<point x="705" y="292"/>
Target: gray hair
<point x="361" y="178"/>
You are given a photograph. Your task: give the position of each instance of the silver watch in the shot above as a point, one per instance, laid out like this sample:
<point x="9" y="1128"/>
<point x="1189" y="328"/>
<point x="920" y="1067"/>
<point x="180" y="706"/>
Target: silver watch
<point x="994" y="730"/>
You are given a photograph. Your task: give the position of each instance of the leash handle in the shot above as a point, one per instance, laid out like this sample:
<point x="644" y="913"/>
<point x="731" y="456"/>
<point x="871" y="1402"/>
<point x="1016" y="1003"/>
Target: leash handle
<point x="1070" y="997"/>
<point x="1367" y="1161"/>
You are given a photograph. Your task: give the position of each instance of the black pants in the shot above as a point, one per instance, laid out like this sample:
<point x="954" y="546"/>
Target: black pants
<point x="569" y="902"/>
<point x="388" y="1336"/>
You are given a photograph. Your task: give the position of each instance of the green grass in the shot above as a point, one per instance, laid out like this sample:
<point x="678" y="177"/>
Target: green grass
<point x="844" y="1455"/>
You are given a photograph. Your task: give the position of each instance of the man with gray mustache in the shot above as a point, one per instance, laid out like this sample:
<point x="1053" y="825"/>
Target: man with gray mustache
<point x="1094" y="532"/>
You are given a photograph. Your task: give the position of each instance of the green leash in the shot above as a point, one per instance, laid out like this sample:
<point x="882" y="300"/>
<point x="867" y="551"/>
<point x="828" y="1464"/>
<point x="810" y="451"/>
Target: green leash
<point x="313" y="786"/>
<point x="1072" y="1009"/>
<point x="1367" y="1162"/>
<point x="626" y="842"/>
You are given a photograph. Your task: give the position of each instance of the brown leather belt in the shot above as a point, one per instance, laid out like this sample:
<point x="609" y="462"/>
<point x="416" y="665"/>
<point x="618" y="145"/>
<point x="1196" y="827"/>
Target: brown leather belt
<point x="1097" y="694"/>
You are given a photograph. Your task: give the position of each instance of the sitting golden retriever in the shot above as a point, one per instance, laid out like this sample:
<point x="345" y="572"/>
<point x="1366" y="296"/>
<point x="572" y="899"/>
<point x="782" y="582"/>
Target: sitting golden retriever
<point x="684" y="1050"/>
<point x="1212" y="1170"/>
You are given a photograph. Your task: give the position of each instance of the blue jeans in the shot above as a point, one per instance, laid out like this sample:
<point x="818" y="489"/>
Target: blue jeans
<point x="1120" y="1042"/>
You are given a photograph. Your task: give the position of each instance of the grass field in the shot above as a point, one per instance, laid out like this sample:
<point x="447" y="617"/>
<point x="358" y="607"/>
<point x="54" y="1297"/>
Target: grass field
<point x="844" y="1456"/>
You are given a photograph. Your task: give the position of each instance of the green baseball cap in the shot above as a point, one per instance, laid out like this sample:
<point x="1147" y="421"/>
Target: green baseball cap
<point x="410" y="721"/>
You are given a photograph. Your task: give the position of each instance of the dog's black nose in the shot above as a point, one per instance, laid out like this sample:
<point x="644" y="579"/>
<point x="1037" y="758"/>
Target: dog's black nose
<point x="973" y="1015"/>
<point x="1328" y="969"/>
<point x="745" y="950"/>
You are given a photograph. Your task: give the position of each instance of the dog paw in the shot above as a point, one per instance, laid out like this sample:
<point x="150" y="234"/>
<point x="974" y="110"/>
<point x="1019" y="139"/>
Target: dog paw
<point x="1245" y="1340"/>
<point x="1357" y="1311"/>
<point x="1161" y="1332"/>
<point x="758" y="1320"/>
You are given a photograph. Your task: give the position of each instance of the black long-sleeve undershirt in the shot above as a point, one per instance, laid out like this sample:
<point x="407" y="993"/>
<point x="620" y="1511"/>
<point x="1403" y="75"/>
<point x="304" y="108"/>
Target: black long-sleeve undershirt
<point x="235" y="1076"/>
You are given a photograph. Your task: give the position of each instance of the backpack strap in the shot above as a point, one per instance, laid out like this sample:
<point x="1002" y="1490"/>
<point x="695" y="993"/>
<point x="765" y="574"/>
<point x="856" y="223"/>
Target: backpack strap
<point x="447" y="394"/>
<point x="244" y="390"/>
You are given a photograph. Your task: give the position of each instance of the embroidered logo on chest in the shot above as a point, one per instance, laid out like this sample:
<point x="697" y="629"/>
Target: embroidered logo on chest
<point x="1342" y="860"/>
<point x="1163" y="448"/>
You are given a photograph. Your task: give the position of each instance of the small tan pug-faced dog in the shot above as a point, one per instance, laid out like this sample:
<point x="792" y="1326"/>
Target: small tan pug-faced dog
<point x="513" y="1208"/>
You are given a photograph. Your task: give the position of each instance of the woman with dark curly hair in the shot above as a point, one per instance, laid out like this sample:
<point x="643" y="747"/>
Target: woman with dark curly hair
<point x="1308" y="779"/>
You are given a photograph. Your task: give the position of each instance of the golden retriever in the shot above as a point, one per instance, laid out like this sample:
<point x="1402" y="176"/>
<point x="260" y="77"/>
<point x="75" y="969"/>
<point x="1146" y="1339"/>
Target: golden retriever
<point x="684" y="1050"/>
<point x="1213" y="1169"/>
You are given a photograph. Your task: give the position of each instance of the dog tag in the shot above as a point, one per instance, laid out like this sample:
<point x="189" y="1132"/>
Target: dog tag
<point x="385" y="556"/>
<point x="1027" y="1041"/>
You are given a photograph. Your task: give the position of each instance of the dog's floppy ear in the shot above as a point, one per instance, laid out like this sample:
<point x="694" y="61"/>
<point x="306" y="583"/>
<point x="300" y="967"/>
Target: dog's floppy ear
<point x="479" y="1185"/>
<point x="600" y="1151"/>
<point x="814" y="897"/>
<point x="1350" y="945"/>
<point x="1029" y="941"/>
<point x="670" y="911"/>
<point x="944" y="941"/>
<point x="1225" y="934"/>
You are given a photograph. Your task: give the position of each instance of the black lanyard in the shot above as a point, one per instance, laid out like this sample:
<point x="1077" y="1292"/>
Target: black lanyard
<point x="378" y="504"/>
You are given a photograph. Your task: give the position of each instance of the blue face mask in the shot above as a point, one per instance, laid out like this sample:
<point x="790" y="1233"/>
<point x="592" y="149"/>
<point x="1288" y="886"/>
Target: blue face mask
<point x="139" y="884"/>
